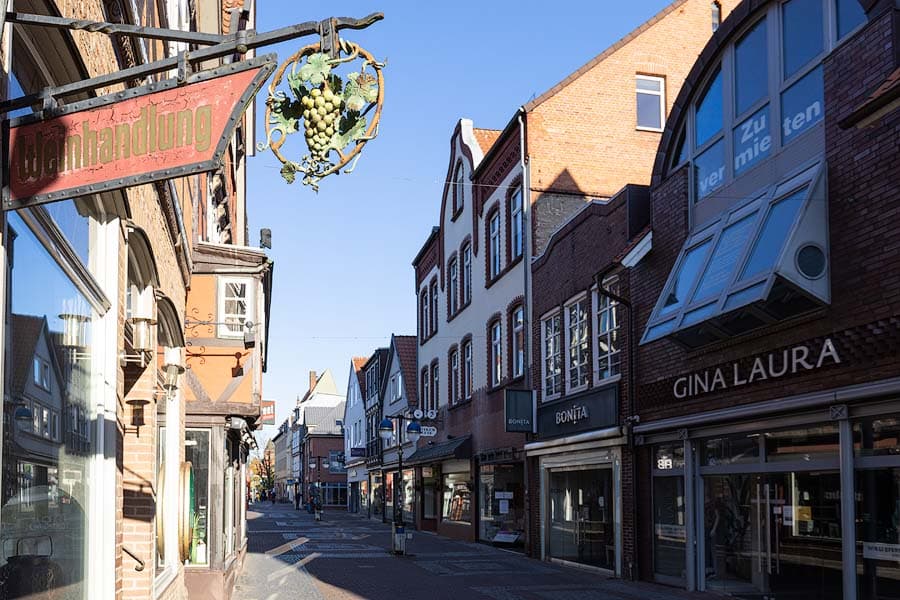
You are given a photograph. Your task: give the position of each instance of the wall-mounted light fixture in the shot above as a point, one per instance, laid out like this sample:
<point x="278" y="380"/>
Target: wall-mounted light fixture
<point x="249" y="335"/>
<point x="74" y="333"/>
<point x="142" y="334"/>
<point x="173" y="369"/>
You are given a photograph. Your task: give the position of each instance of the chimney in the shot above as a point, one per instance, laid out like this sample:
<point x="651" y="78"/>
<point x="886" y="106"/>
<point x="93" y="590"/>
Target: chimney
<point x="312" y="380"/>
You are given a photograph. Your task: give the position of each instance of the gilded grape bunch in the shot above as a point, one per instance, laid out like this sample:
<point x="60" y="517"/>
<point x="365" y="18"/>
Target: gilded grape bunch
<point x="337" y="114"/>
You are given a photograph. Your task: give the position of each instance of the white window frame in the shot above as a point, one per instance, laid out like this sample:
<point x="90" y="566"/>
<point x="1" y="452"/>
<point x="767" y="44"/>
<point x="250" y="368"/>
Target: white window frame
<point x="559" y="349"/>
<point x="496" y="352"/>
<point x="453" y="287"/>
<point x="661" y="95"/>
<point x="459" y="200"/>
<point x="399" y="386"/>
<point x="518" y="367"/>
<point x="468" y="370"/>
<point x="605" y="304"/>
<point x="425" y="307"/>
<point x="223" y="329"/>
<point x="454" y="378"/>
<point x="569" y="387"/>
<point x="425" y="376"/>
<point x="467" y="274"/>
<point x="435" y="386"/>
<point x="494" y="228"/>
<point x="433" y="286"/>
<point x="516" y="225"/>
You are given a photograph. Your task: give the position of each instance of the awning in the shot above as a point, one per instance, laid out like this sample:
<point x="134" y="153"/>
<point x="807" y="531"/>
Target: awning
<point x="455" y="448"/>
<point x="763" y="261"/>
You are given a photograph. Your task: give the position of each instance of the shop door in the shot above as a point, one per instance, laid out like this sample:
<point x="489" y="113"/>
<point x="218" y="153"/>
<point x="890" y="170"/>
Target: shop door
<point x="773" y="536"/>
<point x="581" y="524"/>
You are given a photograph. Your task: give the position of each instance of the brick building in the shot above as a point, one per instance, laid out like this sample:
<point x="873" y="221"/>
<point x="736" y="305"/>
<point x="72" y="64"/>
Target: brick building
<point x="506" y="192"/>
<point x="768" y="310"/>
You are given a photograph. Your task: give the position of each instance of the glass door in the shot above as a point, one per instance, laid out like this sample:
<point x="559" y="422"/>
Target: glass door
<point x="774" y="536"/>
<point x="581" y="517"/>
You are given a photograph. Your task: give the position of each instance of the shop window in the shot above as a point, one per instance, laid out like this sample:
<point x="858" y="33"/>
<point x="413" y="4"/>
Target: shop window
<point x="518" y="342"/>
<point x="877" y="532"/>
<point x="669" y="526"/>
<point x="457" y="497"/>
<point x="502" y="506"/>
<point x="877" y="437"/>
<point x="552" y="356"/>
<point x="803" y="34"/>
<point x="651" y="102"/>
<point x="730" y="450"/>
<point x="234" y="306"/>
<point x="811" y="443"/>
<point x="581" y="523"/>
<point x="606" y="324"/>
<point x="197" y="452"/>
<point x="45" y="520"/>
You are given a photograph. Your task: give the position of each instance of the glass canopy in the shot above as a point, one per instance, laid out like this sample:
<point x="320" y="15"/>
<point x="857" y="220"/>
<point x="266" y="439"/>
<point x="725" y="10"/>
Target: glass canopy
<point x="763" y="261"/>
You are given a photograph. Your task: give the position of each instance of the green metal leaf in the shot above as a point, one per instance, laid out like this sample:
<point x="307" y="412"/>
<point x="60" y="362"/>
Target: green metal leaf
<point x="316" y="69"/>
<point x="295" y="82"/>
<point x="361" y="89"/>
<point x="351" y="129"/>
<point x="289" y="171"/>
<point x="286" y="113"/>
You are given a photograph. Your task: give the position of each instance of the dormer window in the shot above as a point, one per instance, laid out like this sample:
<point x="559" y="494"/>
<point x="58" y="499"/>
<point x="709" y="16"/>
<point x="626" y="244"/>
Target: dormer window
<point x="41" y="373"/>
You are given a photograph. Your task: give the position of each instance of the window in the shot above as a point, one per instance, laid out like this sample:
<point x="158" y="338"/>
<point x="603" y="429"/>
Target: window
<point x="426" y="321"/>
<point x="453" y="287"/>
<point x="518" y="342"/>
<point x="850" y="15"/>
<point x="45" y="422"/>
<point x="434" y="306"/>
<point x="606" y="349"/>
<point x="651" y="102"/>
<point x="454" y="377"/>
<point x="196" y="451"/>
<point x="467" y="274"/>
<point x="716" y="10"/>
<point x="399" y="386"/>
<point x="468" y="373"/>
<point x="552" y="356"/>
<point x="516" y="234"/>
<point x="458" y="189"/>
<point x="41" y="373"/>
<point x="496" y="353"/>
<point x="457" y="497"/>
<point x="425" y="391"/>
<point x="495" y="244"/>
<point x="435" y="386"/>
<point x="577" y="333"/>
<point x="234" y="306"/>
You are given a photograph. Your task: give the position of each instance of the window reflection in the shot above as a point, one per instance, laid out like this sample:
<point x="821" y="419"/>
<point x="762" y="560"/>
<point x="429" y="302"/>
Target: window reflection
<point x="850" y="15"/>
<point x="709" y="111"/>
<point x="47" y="439"/>
<point x="729" y="248"/>
<point x="802" y="105"/>
<point x="196" y="452"/>
<point x="751" y="68"/>
<point x="687" y="274"/>
<point x="803" y="33"/>
<point x="774" y="234"/>
<point x="709" y="170"/>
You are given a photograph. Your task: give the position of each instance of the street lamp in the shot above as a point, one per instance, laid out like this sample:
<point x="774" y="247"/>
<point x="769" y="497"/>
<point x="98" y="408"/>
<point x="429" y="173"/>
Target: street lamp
<point x="413" y="433"/>
<point x="318" y="463"/>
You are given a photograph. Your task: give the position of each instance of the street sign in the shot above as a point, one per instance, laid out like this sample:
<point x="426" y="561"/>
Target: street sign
<point x="428" y="431"/>
<point x="150" y="133"/>
<point x="520" y="411"/>
<point x="357" y="452"/>
<point x="267" y="412"/>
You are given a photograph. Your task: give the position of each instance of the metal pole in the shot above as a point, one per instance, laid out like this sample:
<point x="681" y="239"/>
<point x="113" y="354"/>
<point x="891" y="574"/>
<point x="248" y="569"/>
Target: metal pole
<point x="400" y="468"/>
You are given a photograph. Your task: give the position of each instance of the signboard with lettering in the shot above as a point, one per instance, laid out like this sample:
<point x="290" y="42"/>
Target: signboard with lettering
<point x="597" y="410"/>
<point x="150" y="133"/>
<point x="267" y="412"/>
<point x="429" y="431"/>
<point x="358" y="452"/>
<point x="520" y="409"/>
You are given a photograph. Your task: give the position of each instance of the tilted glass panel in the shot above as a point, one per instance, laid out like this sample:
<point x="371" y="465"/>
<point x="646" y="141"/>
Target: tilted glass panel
<point x="699" y="314"/>
<point x="721" y="267"/>
<point x="773" y="234"/>
<point x="802" y="105"/>
<point x="850" y="15"/>
<point x="684" y="280"/>
<point x="745" y="296"/>
<point x="751" y="69"/>
<point x="708" y="120"/>
<point x="709" y="170"/>
<point x="752" y="140"/>
<point x="660" y="330"/>
<point x="802" y="33"/>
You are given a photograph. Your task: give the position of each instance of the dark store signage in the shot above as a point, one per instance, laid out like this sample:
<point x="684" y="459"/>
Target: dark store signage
<point x="358" y="452"/>
<point x="519" y="411"/>
<point x="767" y="366"/>
<point x="593" y="411"/>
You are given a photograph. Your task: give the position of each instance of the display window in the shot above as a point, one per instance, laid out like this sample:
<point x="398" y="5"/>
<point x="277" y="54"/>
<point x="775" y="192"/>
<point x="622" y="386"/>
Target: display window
<point x="196" y="452"/>
<point x="457" y="502"/>
<point x="501" y="503"/>
<point x="581" y="524"/>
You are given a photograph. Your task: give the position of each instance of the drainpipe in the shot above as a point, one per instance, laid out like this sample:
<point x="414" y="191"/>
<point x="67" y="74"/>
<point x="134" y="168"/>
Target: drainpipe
<point x="630" y="417"/>
<point x="526" y="266"/>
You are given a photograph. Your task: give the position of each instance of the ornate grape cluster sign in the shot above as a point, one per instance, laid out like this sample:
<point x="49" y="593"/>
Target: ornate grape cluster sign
<point x="337" y="113"/>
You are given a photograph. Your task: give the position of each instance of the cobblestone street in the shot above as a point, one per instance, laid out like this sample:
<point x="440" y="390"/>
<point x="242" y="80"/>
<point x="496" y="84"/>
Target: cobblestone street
<point x="345" y="556"/>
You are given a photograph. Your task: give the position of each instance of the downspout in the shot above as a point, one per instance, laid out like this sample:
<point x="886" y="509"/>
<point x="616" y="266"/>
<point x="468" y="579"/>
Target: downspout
<point x="630" y="417"/>
<point x="526" y="260"/>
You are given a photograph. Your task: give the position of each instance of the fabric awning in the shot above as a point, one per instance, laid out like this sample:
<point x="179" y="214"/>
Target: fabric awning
<point x="455" y="448"/>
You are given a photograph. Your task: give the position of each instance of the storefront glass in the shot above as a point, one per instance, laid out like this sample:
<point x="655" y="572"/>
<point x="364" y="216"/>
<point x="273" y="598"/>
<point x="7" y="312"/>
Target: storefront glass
<point x="47" y="439"/>
<point x="502" y="503"/>
<point x="457" y="504"/>
<point x="430" y="493"/>
<point x="196" y="452"/>
<point x="376" y="497"/>
<point x="409" y="497"/>
<point x="363" y="496"/>
<point x="775" y="534"/>
<point x="389" y="495"/>
<point x="669" y="531"/>
<point x="878" y="533"/>
<point x="581" y="520"/>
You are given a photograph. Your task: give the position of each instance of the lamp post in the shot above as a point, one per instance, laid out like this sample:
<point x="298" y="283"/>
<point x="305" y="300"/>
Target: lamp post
<point x="413" y="433"/>
<point x="318" y="463"/>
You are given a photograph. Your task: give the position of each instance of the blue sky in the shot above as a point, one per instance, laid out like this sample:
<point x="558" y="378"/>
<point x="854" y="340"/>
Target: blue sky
<point x="343" y="275"/>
